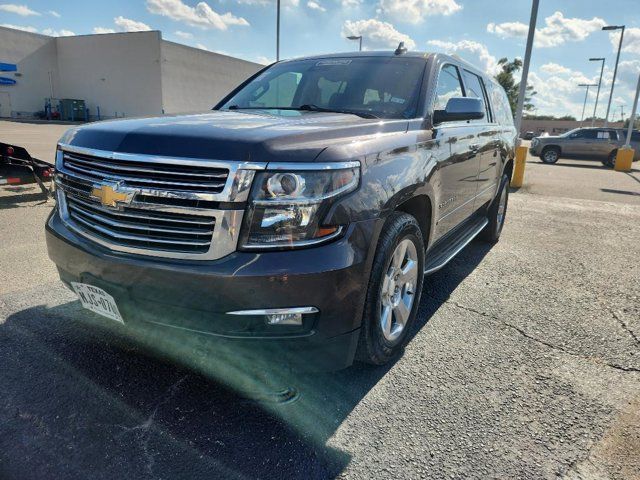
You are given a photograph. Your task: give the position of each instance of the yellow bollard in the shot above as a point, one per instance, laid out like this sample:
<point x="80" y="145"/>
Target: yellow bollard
<point x="517" y="178"/>
<point x="624" y="158"/>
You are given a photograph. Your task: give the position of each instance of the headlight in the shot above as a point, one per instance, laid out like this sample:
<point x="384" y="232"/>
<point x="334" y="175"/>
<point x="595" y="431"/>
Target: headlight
<point x="287" y="207"/>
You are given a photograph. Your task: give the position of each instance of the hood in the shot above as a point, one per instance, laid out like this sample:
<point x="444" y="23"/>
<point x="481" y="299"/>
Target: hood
<point x="263" y="135"/>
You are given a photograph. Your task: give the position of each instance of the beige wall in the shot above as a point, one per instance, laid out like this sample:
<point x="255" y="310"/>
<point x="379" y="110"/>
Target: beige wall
<point x="555" y="127"/>
<point x="130" y="74"/>
<point x="35" y="56"/>
<point x="118" y="72"/>
<point x="194" y="80"/>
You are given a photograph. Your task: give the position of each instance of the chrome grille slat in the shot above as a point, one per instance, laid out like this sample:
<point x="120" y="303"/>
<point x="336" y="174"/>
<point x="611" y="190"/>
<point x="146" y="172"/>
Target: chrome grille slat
<point x="139" y="238"/>
<point x="119" y="166"/>
<point x="140" y="214"/>
<point x="144" y="228"/>
<point x="134" y="181"/>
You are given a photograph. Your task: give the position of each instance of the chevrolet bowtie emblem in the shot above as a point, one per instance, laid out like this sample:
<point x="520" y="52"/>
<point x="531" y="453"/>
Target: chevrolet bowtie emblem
<point x="109" y="196"/>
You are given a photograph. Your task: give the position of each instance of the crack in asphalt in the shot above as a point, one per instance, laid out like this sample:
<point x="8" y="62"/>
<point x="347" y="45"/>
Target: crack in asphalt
<point x="624" y="326"/>
<point x="615" y="366"/>
<point x="145" y="427"/>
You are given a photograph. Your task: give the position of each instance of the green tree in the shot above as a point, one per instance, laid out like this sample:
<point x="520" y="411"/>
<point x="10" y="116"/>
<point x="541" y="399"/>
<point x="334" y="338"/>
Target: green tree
<point x="505" y="78"/>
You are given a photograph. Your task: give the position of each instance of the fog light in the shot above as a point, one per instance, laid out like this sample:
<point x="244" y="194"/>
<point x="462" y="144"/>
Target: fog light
<point x="279" y="316"/>
<point x="284" y="319"/>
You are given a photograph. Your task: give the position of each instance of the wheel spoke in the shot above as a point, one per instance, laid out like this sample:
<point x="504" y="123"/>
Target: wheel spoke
<point x="401" y="312"/>
<point x="386" y="320"/>
<point x="399" y="255"/>
<point x="410" y="272"/>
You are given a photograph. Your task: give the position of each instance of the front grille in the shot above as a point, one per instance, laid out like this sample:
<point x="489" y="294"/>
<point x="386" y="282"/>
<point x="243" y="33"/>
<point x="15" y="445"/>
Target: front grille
<point x="172" y="208"/>
<point x="159" y="174"/>
<point x="138" y="228"/>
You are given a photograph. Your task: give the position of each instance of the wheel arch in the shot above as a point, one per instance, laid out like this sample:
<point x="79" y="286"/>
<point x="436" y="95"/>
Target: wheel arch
<point x="421" y="208"/>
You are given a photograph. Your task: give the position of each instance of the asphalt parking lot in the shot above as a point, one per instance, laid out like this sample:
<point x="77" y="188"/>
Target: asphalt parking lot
<point x="525" y="364"/>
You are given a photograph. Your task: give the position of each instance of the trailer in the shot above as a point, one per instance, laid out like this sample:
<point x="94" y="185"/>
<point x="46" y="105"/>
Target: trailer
<point x="17" y="167"/>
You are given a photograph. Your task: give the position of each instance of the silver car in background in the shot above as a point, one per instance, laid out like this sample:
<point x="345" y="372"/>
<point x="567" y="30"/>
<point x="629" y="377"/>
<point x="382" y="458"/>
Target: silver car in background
<point x="593" y="142"/>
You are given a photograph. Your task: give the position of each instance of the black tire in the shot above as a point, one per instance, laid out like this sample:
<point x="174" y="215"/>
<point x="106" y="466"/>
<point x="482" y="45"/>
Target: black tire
<point x="610" y="162"/>
<point x="373" y="346"/>
<point x="491" y="233"/>
<point x="550" y="155"/>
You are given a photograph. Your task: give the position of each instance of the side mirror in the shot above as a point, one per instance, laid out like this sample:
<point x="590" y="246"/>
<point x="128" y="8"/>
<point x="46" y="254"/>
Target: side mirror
<point x="459" y="109"/>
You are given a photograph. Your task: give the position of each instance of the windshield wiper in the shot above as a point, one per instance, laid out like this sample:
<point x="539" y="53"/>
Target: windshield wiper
<point x="316" y="108"/>
<point x="308" y="108"/>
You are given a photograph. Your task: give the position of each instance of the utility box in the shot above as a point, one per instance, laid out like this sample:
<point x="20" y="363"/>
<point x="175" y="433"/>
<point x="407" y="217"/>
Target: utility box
<point x="72" y="109"/>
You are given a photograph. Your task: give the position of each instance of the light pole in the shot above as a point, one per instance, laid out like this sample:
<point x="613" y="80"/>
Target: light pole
<point x="593" y="120"/>
<point x="278" y="31"/>
<point x="584" y="105"/>
<point x="615" y="69"/>
<point x="356" y="37"/>
<point x="525" y="63"/>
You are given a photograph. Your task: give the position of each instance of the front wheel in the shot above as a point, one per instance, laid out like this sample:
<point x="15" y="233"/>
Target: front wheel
<point x="497" y="213"/>
<point x="394" y="290"/>
<point x="550" y="155"/>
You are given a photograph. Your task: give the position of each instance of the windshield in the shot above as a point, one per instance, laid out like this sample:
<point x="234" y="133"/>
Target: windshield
<point x="566" y="134"/>
<point x="385" y="87"/>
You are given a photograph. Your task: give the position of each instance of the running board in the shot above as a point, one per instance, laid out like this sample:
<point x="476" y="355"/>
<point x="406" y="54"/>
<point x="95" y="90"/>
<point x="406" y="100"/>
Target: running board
<point x="440" y="257"/>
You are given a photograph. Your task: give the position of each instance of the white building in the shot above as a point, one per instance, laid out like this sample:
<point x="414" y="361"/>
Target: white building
<point x="121" y="74"/>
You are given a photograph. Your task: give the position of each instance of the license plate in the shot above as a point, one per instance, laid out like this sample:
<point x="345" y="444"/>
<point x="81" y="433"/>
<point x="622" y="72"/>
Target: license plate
<point x="97" y="300"/>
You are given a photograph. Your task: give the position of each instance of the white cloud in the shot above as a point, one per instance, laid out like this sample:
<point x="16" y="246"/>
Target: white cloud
<point x="264" y="60"/>
<point x="100" y="30"/>
<point x="128" y="25"/>
<point x="473" y="51"/>
<point x="185" y="35"/>
<point x="350" y="3"/>
<point x="558" y="29"/>
<point x="313" y="5"/>
<point x="58" y="33"/>
<point x="630" y="43"/>
<point x="53" y="13"/>
<point x="21" y="10"/>
<point x="554" y="69"/>
<point x="377" y="34"/>
<point x="202" y="46"/>
<point x="415" y="11"/>
<point x="20" y="27"/>
<point x="508" y="29"/>
<point x="202" y="15"/>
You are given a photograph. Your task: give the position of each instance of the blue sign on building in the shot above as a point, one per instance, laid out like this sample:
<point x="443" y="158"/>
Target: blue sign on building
<point x="8" y="67"/>
<point x="7" y="81"/>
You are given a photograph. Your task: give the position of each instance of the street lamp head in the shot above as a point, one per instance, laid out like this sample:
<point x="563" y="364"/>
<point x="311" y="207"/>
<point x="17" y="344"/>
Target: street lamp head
<point x="613" y="27"/>
<point x="599" y="59"/>
<point x="354" y="37"/>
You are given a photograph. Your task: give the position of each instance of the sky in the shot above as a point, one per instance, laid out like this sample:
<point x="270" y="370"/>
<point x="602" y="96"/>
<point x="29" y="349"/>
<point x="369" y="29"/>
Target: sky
<point x="568" y="33"/>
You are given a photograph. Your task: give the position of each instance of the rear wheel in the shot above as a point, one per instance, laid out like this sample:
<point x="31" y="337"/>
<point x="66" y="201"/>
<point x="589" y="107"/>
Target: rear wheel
<point x="497" y="213"/>
<point x="394" y="290"/>
<point x="550" y="155"/>
<point x="611" y="160"/>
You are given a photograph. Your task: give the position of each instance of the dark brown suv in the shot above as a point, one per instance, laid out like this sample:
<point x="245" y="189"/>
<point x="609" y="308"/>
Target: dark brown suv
<point x="299" y="217"/>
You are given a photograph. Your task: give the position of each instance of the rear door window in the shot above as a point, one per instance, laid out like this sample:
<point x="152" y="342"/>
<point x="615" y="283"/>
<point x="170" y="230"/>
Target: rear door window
<point x="474" y="88"/>
<point x="603" y="135"/>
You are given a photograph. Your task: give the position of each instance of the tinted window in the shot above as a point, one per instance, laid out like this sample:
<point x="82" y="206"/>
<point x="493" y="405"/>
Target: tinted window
<point x="500" y="104"/>
<point x="473" y="84"/>
<point x="590" y="134"/>
<point x="385" y="87"/>
<point x="448" y="86"/>
<point x="635" y="136"/>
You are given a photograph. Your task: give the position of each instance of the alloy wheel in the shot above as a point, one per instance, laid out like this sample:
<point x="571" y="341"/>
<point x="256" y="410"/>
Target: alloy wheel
<point x="398" y="290"/>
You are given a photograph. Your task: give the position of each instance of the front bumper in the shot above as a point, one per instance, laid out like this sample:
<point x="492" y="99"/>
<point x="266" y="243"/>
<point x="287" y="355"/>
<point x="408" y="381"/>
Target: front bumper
<point x="195" y="296"/>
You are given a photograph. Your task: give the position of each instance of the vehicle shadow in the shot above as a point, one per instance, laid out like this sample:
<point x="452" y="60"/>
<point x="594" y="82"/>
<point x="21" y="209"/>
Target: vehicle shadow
<point x="80" y="399"/>
<point x="18" y="200"/>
